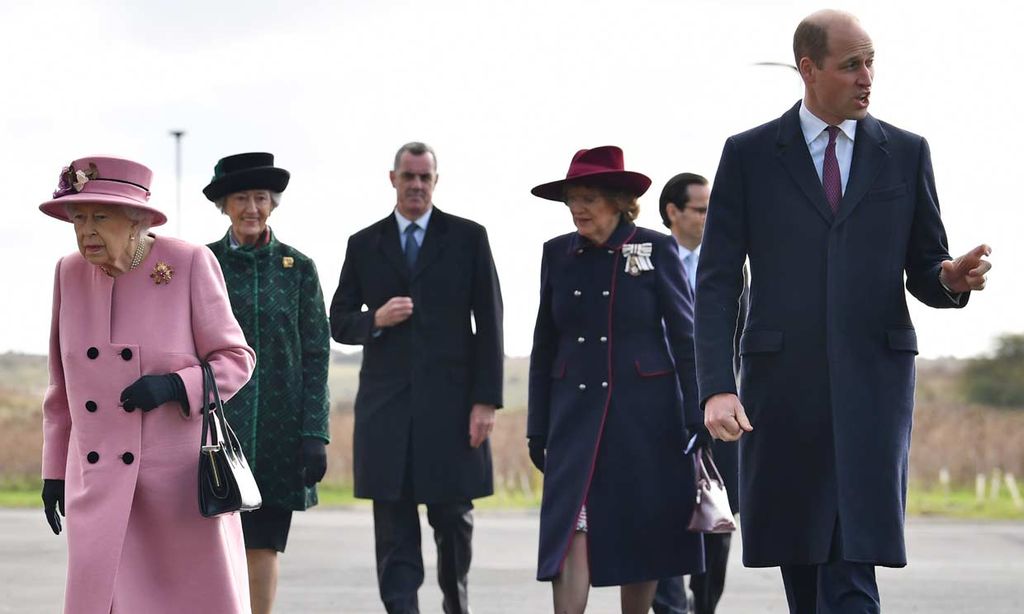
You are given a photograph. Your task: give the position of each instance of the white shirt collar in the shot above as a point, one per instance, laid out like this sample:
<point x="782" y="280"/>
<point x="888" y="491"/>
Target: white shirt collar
<point x="812" y="126"/>
<point x="422" y="222"/>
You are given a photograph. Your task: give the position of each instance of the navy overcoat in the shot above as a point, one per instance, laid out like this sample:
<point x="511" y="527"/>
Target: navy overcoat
<point x="612" y="388"/>
<point x="827" y="353"/>
<point x="419" y="379"/>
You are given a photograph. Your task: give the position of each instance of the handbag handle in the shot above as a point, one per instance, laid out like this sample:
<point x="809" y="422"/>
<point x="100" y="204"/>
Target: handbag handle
<point x="213" y="432"/>
<point x="704" y="462"/>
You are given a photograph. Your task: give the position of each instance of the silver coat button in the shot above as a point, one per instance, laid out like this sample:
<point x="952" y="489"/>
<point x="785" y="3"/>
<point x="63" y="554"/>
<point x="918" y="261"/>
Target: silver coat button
<point x="583" y="386"/>
<point x="604" y="339"/>
<point x="580" y="340"/>
<point x="605" y="293"/>
<point x="604" y="384"/>
<point x="576" y="293"/>
<point x="611" y="251"/>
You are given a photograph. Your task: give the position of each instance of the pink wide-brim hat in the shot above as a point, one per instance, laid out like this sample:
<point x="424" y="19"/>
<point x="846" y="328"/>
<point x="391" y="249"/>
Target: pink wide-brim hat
<point x="103" y="180"/>
<point x="601" y="166"/>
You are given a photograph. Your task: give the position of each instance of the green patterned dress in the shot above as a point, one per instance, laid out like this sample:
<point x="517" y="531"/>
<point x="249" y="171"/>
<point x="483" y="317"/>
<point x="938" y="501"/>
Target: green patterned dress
<point x="276" y="297"/>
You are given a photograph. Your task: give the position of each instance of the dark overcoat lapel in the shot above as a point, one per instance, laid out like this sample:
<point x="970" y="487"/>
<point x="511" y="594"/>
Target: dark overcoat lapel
<point x="389" y="244"/>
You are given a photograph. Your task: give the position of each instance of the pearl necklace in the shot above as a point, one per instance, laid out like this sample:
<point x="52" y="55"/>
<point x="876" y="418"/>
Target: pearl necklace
<point x="137" y="258"/>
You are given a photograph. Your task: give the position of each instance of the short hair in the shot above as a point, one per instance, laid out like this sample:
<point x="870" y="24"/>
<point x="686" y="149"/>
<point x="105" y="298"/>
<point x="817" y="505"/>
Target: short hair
<point x="625" y="202"/>
<point x="415" y="148"/>
<point x="275" y="200"/>
<point x="810" y="40"/>
<point x="676" y="191"/>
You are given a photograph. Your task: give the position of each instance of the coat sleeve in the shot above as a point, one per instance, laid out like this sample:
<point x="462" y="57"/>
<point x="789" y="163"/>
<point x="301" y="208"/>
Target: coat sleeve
<point x="349" y="323"/>
<point x="56" y="413"/>
<point x="316" y="355"/>
<point x="720" y="277"/>
<point x="489" y="342"/>
<point x="675" y="301"/>
<point x="217" y="336"/>
<point x="542" y="356"/>
<point x="927" y="248"/>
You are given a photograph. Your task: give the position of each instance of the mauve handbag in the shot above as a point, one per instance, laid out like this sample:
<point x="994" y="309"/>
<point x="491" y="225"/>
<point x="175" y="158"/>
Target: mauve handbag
<point x="712" y="513"/>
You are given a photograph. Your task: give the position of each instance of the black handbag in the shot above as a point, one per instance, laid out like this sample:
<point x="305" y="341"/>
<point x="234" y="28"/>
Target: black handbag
<point x="226" y="483"/>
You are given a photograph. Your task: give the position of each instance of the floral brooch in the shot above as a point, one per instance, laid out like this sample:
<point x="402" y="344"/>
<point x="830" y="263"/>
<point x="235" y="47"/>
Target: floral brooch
<point x="73" y="180"/>
<point x="638" y="257"/>
<point x="162" y="273"/>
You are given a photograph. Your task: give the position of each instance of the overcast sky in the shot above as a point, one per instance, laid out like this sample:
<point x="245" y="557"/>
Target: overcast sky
<point x="506" y="92"/>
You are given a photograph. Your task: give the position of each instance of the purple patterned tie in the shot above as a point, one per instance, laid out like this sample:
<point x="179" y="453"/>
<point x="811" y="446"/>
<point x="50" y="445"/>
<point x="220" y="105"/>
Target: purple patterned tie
<point x="830" y="171"/>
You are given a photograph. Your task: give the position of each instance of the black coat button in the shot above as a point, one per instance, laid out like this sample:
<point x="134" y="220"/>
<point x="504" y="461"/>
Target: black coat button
<point x="128" y="458"/>
<point x="128" y="408"/>
<point x="90" y="405"/>
<point x="93" y="457"/>
<point x="126" y="354"/>
<point x="92" y="353"/>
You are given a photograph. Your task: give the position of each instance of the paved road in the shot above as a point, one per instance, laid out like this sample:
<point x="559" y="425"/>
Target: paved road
<point x="960" y="567"/>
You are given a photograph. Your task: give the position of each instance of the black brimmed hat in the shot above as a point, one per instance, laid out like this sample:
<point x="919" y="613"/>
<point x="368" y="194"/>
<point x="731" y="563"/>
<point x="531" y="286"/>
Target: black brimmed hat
<point x="247" y="171"/>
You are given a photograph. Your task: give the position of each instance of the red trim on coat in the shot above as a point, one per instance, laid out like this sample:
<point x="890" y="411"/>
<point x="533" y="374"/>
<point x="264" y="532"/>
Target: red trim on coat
<point x="604" y="417"/>
<point x="642" y="373"/>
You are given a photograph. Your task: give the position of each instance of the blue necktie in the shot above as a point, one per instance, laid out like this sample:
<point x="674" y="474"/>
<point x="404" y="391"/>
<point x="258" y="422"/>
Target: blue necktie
<point x="412" y="248"/>
<point x="690" y="264"/>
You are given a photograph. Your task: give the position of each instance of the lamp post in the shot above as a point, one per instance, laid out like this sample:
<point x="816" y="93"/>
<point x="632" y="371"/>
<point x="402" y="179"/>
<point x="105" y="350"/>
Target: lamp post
<point x="177" y="134"/>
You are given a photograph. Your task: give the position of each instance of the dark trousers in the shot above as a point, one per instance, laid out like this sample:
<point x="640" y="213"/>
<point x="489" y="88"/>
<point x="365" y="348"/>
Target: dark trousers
<point x="670" y="596"/>
<point x="396" y="526"/>
<point x="835" y="587"/>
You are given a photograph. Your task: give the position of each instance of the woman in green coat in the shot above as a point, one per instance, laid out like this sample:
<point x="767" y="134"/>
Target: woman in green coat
<point x="281" y="415"/>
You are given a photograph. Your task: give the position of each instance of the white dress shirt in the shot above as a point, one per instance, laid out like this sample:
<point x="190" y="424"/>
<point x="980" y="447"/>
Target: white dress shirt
<point x="816" y="138"/>
<point x="418" y="234"/>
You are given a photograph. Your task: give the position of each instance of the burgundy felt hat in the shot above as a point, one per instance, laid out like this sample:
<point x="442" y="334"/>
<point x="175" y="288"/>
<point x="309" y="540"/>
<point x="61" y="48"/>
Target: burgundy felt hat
<point x="102" y="180"/>
<point x="600" y="166"/>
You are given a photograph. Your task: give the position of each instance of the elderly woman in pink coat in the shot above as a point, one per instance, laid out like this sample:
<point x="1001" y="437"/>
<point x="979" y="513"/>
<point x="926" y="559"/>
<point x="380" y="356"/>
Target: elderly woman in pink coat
<point x="133" y="315"/>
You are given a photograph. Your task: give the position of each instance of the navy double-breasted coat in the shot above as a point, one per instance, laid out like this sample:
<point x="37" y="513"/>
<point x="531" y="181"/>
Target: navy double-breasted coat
<point x="612" y="388"/>
<point x="827" y="352"/>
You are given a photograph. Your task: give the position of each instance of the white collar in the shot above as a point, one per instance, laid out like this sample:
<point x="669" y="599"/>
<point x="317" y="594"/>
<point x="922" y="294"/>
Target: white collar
<point x="404" y="222"/>
<point x="812" y="126"/>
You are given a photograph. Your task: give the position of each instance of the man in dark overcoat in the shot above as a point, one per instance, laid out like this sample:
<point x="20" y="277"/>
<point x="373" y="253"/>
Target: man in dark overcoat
<point x="419" y="291"/>
<point x="833" y="208"/>
<point x="683" y="205"/>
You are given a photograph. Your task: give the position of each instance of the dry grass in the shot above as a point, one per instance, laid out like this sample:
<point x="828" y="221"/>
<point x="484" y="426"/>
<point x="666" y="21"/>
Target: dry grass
<point x="948" y="433"/>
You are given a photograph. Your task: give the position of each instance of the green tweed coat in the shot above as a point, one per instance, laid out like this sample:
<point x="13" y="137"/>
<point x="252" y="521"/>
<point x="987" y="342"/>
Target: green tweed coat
<point x="276" y="297"/>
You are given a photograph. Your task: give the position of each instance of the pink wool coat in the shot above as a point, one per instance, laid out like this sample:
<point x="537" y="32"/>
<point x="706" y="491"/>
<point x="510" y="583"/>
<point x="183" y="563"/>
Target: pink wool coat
<point x="136" y="540"/>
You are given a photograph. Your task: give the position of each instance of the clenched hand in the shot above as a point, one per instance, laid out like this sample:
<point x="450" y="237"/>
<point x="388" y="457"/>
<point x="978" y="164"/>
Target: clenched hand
<point x="725" y="417"/>
<point x="398" y="309"/>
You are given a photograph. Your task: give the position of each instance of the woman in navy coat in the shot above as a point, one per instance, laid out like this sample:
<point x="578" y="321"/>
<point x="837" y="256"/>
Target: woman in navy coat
<point x="612" y="392"/>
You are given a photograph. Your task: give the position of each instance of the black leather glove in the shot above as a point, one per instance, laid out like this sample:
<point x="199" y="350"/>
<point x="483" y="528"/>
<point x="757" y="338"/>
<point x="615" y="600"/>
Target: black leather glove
<point x="53" y="500"/>
<point x="151" y="391"/>
<point x="537" y="445"/>
<point x="702" y="433"/>
<point x="313" y="451"/>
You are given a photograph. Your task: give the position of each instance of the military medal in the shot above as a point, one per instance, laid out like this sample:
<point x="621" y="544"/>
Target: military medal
<point x="638" y="257"/>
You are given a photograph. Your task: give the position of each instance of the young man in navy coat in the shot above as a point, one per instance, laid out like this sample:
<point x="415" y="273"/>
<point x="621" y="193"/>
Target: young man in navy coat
<point x="832" y="207"/>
